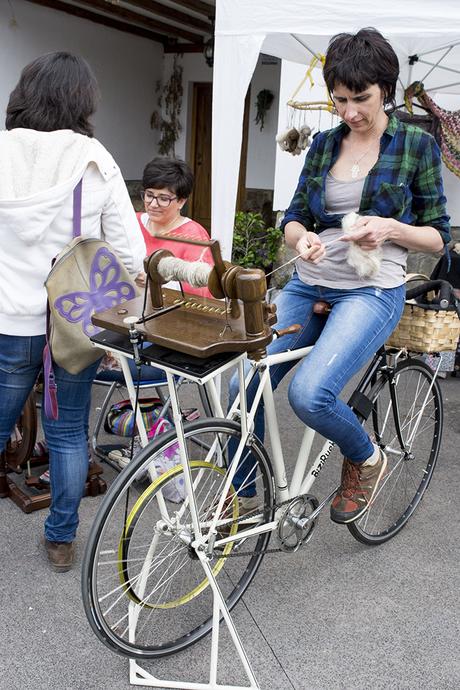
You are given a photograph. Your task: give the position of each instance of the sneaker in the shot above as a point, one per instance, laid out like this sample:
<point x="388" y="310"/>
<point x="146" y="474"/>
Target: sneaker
<point x="247" y="504"/>
<point x="122" y="456"/>
<point x="60" y="555"/>
<point x="357" y="489"/>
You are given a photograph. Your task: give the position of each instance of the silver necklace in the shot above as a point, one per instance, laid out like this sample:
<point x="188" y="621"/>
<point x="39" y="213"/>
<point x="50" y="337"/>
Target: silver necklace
<point x="355" y="169"/>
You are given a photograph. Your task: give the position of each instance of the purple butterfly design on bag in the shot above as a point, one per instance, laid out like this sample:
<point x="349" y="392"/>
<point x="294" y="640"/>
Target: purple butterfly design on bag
<point x="106" y="290"/>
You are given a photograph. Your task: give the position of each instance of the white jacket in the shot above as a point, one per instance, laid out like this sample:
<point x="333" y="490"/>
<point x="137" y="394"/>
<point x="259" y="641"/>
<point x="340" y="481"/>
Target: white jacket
<point x="38" y="172"/>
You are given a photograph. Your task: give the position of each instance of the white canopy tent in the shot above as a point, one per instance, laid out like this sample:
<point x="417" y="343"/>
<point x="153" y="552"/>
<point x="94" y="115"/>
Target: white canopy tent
<point x="427" y="29"/>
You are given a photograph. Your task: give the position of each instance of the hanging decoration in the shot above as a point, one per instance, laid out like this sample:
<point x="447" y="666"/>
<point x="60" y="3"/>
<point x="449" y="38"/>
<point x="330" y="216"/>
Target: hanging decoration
<point x="294" y="140"/>
<point x="449" y="122"/>
<point x="296" y="137"/>
<point x="264" y="101"/>
<point x="167" y="118"/>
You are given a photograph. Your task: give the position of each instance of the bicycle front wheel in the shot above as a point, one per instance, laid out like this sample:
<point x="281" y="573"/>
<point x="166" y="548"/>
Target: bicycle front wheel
<point x="411" y="446"/>
<point x="145" y="591"/>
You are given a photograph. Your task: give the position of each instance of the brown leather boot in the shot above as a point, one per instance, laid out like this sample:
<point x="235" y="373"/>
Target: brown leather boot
<point x="60" y="555"/>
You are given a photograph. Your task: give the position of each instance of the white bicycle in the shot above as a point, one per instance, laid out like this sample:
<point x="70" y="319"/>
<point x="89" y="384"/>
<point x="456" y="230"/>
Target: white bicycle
<point x="153" y="567"/>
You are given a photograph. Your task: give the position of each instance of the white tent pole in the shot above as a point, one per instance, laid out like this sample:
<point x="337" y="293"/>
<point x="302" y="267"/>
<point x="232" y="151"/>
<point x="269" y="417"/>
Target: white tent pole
<point x="443" y="87"/>
<point x="302" y="43"/>
<point x="438" y="66"/>
<point x="435" y="65"/>
<point x="235" y="60"/>
<point x="436" y="50"/>
<point x="409" y="79"/>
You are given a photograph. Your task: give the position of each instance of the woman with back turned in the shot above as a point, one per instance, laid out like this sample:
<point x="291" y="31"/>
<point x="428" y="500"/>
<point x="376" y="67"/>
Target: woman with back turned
<point x="47" y="148"/>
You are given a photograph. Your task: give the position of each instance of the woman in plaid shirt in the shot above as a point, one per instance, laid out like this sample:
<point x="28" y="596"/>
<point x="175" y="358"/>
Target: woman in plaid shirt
<point x="390" y="173"/>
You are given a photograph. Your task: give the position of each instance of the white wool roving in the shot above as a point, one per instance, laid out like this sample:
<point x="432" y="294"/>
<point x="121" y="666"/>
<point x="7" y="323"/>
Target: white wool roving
<point x="196" y="273"/>
<point x="365" y="263"/>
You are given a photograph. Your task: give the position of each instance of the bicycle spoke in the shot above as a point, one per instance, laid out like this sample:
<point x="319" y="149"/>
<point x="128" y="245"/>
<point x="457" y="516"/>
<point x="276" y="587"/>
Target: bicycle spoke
<point x="149" y="598"/>
<point x="409" y="468"/>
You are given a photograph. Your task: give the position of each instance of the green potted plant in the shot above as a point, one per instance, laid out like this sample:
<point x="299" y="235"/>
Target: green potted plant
<point x="254" y="244"/>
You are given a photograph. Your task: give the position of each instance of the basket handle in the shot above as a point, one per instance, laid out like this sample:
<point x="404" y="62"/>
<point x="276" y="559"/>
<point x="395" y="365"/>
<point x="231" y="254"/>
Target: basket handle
<point x="446" y="293"/>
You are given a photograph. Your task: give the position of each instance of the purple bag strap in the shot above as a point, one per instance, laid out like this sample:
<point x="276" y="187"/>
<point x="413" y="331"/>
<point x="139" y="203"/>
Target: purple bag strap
<point x="50" y="403"/>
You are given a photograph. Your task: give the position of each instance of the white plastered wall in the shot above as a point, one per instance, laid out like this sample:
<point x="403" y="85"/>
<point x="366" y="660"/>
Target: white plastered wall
<point x="195" y="69"/>
<point x="125" y="65"/>
<point x="260" y="168"/>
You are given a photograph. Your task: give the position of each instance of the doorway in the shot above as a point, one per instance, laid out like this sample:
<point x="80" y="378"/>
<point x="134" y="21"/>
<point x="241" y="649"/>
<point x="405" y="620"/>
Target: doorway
<point x="200" y="154"/>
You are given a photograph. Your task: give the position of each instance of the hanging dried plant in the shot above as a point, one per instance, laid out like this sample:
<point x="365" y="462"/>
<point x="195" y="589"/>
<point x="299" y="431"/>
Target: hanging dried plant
<point x="167" y="118"/>
<point x="264" y="101"/>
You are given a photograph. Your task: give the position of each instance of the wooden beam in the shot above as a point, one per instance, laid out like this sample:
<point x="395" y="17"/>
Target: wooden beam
<point x="181" y="48"/>
<point x="100" y="19"/>
<point x="197" y="6"/>
<point x="167" y="12"/>
<point x="146" y="22"/>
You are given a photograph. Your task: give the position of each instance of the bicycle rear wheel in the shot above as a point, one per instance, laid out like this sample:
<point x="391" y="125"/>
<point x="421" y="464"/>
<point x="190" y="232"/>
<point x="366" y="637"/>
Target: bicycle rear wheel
<point x="411" y="463"/>
<point x="144" y="589"/>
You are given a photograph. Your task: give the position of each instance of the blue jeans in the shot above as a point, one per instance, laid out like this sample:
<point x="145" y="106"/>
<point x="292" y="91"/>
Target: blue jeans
<point x="20" y="364"/>
<point x="360" y="322"/>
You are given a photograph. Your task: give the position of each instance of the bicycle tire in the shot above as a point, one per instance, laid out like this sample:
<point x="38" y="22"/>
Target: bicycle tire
<point x="129" y="543"/>
<point x="409" y="471"/>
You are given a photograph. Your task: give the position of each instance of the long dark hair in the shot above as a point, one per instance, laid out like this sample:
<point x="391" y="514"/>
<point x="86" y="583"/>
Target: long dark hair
<point x="361" y="59"/>
<point x="55" y="91"/>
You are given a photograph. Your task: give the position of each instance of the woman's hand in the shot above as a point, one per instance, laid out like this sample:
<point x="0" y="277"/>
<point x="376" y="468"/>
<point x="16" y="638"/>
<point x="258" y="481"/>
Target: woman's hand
<point x="140" y="279"/>
<point x="310" y="248"/>
<point x="370" y="232"/>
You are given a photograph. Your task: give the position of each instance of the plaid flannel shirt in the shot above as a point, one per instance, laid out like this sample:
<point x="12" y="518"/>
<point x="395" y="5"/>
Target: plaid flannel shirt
<point x="404" y="184"/>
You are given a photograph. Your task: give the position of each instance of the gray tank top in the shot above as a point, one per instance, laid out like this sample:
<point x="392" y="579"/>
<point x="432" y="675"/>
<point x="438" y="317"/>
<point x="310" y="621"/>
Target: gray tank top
<point x="333" y="269"/>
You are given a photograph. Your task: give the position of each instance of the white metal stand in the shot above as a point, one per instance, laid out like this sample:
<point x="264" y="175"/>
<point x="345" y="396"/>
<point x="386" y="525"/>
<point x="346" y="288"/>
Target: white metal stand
<point x="137" y="674"/>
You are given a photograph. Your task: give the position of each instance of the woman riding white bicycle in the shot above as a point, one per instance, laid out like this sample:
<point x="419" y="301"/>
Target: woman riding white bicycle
<point x="390" y="173"/>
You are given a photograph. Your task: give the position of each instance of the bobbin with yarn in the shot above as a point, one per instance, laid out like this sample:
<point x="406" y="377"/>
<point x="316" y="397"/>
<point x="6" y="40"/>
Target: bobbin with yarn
<point x="195" y="273"/>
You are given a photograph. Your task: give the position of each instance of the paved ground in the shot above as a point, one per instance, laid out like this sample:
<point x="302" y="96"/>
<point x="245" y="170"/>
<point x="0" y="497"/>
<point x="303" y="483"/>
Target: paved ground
<point x="336" y="615"/>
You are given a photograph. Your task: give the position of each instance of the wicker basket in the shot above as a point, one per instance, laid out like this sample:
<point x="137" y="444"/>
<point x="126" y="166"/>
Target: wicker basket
<point x="425" y="329"/>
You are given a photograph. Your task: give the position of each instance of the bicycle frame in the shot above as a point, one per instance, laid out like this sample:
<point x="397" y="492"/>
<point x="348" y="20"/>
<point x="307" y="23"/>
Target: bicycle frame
<point x="304" y="475"/>
<point x="301" y="482"/>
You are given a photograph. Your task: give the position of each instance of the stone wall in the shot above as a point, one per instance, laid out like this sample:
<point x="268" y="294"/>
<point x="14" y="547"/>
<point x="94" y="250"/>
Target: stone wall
<point x="135" y="189"/>
<point x="260" y="201"/>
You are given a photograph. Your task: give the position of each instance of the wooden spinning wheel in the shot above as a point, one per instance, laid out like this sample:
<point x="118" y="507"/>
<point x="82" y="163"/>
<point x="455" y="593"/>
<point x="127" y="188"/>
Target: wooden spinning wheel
<point x="17" y="458"/>
<point x="17" y="455"/>
<point x="20" y="448"/>
<point x="236" y="319"/>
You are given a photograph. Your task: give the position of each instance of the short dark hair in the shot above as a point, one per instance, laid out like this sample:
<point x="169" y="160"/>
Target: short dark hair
<point x="55" y="91"/>
<point x="361" y="59"/>
<point x="168" y="173"/>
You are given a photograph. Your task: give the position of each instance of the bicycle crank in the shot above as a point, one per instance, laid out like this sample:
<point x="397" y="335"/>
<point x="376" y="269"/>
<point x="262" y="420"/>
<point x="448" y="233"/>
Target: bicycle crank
<point x="295" y="525"/>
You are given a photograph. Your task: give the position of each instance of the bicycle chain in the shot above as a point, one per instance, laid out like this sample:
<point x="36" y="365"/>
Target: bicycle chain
<point x="247" y="516"/>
